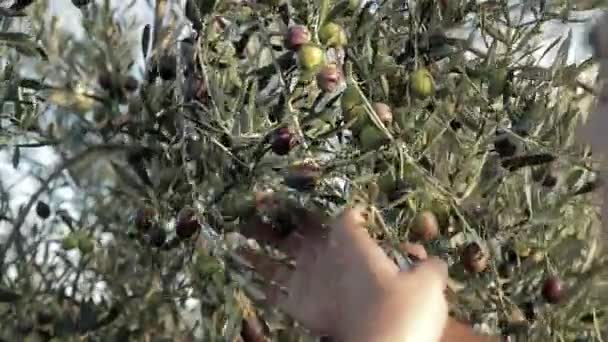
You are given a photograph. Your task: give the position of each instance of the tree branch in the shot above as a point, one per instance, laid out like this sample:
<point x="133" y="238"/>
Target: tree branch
<point x="58" y="171"/>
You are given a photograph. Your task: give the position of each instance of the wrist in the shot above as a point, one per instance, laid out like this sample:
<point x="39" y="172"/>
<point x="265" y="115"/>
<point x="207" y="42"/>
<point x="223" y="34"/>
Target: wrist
<point x="391" y="317"/>
<point x="365" y="311"/>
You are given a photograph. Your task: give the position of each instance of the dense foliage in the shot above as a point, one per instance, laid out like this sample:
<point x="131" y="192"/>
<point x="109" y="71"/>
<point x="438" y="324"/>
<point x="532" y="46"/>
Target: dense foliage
<point x="469" y="150"/>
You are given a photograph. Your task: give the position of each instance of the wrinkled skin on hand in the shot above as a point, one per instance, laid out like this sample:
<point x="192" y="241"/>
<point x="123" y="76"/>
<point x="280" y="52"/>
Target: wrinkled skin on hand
<point x="344" y="285"/>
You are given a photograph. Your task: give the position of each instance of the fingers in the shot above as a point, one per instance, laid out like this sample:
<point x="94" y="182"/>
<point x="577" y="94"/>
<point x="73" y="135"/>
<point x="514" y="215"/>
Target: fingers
<point x="263" y="232"/>
<point x="276" y="219"/>
<point x="413" y="250"/>
<point x="264" y="265"/>
<point x="274" y="273"/>
<point x="352" y="218"/>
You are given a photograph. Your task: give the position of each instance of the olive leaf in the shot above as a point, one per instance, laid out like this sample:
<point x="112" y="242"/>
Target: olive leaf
<point x="145" y="40"/>
<point x="23" y="43"/>
<point x="127" y="178"/>
<point x="563" y="52"/>
<point x="19" y="5"/>
<point x="78" y="102"/>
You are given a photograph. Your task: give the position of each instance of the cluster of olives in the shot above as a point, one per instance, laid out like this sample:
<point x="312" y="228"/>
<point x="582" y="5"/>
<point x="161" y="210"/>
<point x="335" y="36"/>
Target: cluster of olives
<point x="476" y="259"/>
<point x="147" y="226"/>
<point x="354" y="111"/>
<point x="78" y="239"/>
<point x="116" y="85"/>
<point x="187" y="225"/>
<point x="311" y="57"/>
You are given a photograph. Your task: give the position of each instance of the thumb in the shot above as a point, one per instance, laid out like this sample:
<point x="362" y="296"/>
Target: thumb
<point x="430" y="272"/>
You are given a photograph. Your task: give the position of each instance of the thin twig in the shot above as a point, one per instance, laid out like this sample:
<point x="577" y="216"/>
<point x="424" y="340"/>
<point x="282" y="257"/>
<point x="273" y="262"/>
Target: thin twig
<point x="58" y="172"/>
<point x="33" y="145"/>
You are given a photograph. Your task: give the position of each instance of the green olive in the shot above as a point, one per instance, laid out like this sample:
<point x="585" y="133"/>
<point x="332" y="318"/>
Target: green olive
<point x="350" y="98"/>
<point x="311" y="57"/>
<point x="371" y="137"/>
<point x="498" y="81"/>
<point x="332" y="34"/>
<point x="85" y="244"/>
<point x="69" y="242"/>
<point x="421" y="83"/>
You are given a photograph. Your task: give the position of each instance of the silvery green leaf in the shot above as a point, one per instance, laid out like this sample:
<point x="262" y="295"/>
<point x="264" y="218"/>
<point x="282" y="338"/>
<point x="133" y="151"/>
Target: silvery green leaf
<point x="561" y="59"/>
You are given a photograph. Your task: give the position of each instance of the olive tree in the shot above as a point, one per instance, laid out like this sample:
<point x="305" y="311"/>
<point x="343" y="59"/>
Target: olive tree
<point x="326" y="103"/>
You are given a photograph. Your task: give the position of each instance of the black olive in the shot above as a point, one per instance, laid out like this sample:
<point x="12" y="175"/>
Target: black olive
<point x="455" y="125"/>
<point x="549" y="181"/>
<point x="105" y="80"/>
<point x="131" y="84"/>
<point x="158" y="237"/>
<point x="167" y="68"/>
<point x="504" y="147"/>
<point x="506" y="270"/>
<point x="44" y="317"/>
<point x="42" y="210"/>
<point x="531" y="310"/>
<point x="509" y="255"/>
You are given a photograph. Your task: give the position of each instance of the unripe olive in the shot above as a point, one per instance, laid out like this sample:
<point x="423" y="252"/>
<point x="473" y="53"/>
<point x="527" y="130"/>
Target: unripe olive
<point x="498" y="81"/>
<point x="69" y="242"/>
<point x="387" y="182"/>
<point x="360" y="117"/>
<point x="332" y="34"/>
<point x="405" y="118"/>
<point x="421" y="83"/>
<point x="350" y="98"/>
<point x="426" y="226"/>
<point x="371" y="137"/>
<point x="311" y="57"/>
<point x="86" y="244"/>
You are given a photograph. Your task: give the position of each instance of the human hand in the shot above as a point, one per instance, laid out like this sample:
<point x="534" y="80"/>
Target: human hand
<point x="343" y="285"/>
